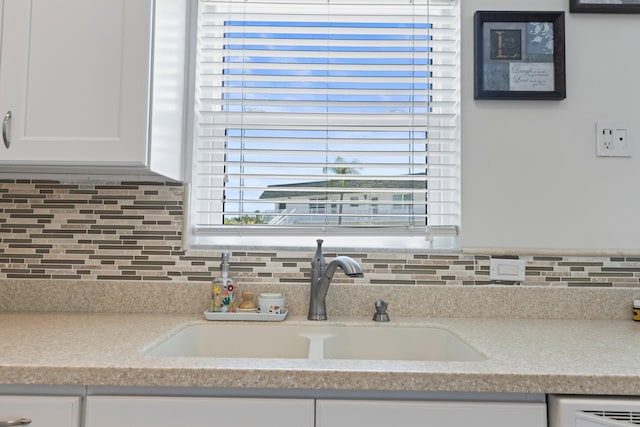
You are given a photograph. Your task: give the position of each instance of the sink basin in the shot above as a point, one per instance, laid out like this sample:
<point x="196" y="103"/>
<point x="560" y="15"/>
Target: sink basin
<point x="243" y="341"/>
<point x="316" y="342"/>
<point x="399" y="343"/>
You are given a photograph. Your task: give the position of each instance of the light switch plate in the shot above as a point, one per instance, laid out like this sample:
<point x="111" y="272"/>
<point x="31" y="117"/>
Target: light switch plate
<point x="507" y="270"/>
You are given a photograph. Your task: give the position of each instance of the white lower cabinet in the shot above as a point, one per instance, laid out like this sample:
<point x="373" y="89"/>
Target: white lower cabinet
<point x="134" y="411"/>
<point x="161" y="411"/>
<point x="380" y="413"/>
<point x="40" y="411"/>
<point x="174" y="411"/>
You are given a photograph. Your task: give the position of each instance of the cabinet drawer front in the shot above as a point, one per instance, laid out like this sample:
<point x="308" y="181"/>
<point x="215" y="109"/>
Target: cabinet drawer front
<point x="345" y="413"/>
<point x="129" y="411"/>
<point x="43" y="411"/>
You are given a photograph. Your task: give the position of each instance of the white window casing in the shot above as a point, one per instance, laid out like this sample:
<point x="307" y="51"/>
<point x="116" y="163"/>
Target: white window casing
<point x="334" y="119"/>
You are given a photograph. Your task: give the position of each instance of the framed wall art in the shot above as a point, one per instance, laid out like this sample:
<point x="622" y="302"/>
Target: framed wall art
<point x="604" y="6"/>
<point x="519" y="55"/>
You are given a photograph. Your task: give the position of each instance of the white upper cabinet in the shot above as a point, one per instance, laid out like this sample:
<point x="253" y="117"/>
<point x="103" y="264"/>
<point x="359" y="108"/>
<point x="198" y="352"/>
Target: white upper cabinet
<point x="76" y="80"/>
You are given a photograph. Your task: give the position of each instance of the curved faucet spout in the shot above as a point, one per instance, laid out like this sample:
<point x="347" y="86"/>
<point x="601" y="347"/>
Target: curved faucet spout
<point x="350" y="267"/>
<point x="320" y="285"/>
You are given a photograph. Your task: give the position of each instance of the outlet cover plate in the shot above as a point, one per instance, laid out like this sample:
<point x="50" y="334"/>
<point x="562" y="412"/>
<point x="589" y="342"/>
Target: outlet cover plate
<point x="612" y="139"/>
<point x="507" y="270"/>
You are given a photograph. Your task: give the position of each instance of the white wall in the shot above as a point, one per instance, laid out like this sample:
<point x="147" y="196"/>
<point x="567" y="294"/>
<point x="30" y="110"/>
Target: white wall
<point x="530" y="176"/>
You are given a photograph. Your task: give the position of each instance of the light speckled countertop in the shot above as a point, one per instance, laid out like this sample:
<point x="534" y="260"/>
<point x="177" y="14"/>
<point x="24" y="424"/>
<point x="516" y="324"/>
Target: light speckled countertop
<point x="523" y="355"/>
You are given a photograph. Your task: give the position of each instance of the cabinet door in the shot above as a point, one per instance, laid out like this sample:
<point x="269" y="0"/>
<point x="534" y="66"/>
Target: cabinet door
<point x="75" y="76"/>
<point x="126" y="411"/>
<point x="345" y="413"/>
<point x="43" y="411"/>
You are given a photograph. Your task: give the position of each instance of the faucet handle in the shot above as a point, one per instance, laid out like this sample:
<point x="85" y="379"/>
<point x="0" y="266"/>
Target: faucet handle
<point x="318" y="261"/>
<point x="381" y="312"/>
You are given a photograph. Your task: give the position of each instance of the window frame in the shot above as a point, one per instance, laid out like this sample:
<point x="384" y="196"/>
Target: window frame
<point x="440" y="238"/>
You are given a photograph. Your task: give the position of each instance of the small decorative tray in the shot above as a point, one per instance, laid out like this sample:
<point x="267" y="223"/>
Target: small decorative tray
<point x="246" y="316"/>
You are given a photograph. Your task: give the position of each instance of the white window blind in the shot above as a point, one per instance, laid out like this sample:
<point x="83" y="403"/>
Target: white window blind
<point x="332" y="117"/>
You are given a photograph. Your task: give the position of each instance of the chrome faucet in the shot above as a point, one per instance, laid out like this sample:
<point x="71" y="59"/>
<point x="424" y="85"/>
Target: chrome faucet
<point x="321" y="275"/>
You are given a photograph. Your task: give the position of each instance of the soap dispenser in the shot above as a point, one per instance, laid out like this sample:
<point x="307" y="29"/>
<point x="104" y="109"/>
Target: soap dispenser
<point x="223" y="293"/>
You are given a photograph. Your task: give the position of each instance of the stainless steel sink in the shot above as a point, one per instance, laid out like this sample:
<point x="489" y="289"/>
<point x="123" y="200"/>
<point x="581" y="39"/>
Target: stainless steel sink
<point x="375" y="342"/>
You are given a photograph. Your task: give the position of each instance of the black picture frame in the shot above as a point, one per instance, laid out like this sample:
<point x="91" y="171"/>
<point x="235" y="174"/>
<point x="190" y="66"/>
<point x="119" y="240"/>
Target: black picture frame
<point x="603" y="6"/>
<point x="519" y="55"/>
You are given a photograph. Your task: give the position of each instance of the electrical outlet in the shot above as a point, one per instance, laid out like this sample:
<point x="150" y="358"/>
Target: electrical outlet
<point x="607" y="139"/>
<point x="612" y="139"/>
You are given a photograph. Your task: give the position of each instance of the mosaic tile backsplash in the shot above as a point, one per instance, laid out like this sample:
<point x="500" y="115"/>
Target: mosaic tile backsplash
<point x="133" y="231"/>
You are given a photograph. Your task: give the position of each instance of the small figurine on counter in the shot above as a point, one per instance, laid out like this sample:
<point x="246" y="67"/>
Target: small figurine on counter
<point x="247" y="303"/>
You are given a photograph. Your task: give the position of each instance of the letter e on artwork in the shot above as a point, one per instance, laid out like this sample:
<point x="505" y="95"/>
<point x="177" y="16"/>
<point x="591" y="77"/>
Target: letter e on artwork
<point x="505" y="45"/>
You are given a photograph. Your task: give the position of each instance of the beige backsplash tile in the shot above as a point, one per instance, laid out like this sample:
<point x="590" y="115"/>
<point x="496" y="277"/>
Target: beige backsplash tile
<point x="132" y="231"/>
